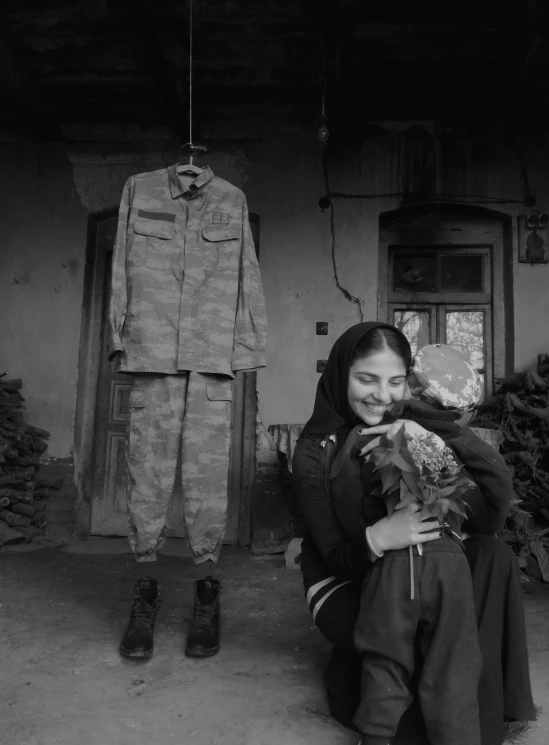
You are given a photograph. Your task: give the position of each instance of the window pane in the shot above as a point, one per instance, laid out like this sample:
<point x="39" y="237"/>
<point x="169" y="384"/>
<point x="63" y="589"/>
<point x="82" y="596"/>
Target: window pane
<point x="461" y="273"/>
<point x="415" y="272"/>
<point x="415" y="325"/>
<point x="481" y="397"/>
<point x="465" y="331"/>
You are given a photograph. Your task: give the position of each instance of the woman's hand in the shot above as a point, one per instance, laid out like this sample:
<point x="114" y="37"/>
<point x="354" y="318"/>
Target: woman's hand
<point x="410" y="428"/>
<point x="405" y="527"/>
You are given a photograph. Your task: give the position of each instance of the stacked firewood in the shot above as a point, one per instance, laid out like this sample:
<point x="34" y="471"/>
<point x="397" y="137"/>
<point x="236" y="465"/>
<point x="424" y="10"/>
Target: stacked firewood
<point x="23" y="493"/>
<point x="520" y="410"/>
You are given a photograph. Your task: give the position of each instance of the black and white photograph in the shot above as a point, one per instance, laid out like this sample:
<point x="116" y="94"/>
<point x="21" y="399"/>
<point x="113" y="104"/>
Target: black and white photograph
<point x="274" y="372"/>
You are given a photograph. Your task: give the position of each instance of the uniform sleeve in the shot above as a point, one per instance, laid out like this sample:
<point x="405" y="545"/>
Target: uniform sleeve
<point x="490" y="503"/>
<point x="119" y="296"/>
<point x="251" y="318"/>
<point x="343" y="558"/>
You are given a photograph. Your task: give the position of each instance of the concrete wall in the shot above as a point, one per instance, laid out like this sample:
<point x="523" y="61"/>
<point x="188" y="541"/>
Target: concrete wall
<point x="48" y="193"/>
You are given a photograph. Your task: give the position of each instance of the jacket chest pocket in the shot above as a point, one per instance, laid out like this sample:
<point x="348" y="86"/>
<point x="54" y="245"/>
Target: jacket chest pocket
<point x="220" y="249"/>
<point x="154" y="244"/>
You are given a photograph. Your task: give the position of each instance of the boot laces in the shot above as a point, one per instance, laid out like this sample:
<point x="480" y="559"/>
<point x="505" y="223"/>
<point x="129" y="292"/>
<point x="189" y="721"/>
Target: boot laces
<point x="203" y="619"/>
<point x="143" y="615"/>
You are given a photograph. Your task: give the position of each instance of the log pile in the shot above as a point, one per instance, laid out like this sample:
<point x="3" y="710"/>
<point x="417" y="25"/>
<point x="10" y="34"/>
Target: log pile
<point x="23" y="493"/>
<point x="520" y="410"/>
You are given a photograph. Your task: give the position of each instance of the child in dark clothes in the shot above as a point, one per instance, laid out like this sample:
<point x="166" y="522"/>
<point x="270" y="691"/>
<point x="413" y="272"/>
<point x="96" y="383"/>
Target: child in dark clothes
<point x="437" y="630"/>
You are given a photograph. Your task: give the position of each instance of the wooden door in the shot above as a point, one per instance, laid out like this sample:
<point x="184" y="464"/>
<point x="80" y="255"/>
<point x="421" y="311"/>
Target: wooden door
<point x="108" y="499"/>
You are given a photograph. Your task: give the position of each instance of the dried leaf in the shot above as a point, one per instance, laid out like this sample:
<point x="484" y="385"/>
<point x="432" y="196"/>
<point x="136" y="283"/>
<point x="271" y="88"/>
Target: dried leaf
<point x="542" y="557"/>
<point x="538" y="381"/>
<point x="516" y="402"/>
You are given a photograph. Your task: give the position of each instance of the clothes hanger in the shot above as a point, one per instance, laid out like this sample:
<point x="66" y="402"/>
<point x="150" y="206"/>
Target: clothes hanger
<point x="189" y="169"/>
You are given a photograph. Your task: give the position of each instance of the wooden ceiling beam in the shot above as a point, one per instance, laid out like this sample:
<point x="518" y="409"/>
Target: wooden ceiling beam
<point x="33" y="114"/>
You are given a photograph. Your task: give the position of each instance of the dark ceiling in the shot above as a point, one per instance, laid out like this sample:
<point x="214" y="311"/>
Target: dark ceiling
<point x="476" y="63"/>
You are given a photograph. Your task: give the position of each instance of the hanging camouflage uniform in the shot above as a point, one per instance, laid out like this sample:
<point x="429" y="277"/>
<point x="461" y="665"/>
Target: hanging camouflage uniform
<point x="187" y="311"/>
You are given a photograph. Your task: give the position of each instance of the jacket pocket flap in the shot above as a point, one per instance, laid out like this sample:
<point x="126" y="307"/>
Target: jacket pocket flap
<point x="138" y="399"/>
<point x="155" y="228"/>
<point x="220" y="234"/>
<point x="220" y="390"/>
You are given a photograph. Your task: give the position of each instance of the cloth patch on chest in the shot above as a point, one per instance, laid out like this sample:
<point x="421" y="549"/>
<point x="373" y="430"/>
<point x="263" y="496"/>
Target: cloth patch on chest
<point x="220" y="218"/>
<point x="167" y="216"/>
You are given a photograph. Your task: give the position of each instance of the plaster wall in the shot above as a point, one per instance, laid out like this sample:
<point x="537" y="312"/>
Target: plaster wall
<point x="42" y="241"/>
<point x="296" y="245"/>
<point x="48" y="194"/>
<point x="493" y="168"/>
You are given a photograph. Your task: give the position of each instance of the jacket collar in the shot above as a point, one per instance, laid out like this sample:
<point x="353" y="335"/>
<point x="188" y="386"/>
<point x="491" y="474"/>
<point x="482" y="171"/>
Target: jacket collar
<point x="178" y="189"/>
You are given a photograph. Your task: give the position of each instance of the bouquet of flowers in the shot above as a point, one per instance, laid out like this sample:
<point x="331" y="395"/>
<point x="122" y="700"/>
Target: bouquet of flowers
<point x="419" y="469"/>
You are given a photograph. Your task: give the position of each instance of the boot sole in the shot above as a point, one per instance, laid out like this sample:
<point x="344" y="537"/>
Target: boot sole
<point x="135" y="655"/>
<point x="202" y="652"/>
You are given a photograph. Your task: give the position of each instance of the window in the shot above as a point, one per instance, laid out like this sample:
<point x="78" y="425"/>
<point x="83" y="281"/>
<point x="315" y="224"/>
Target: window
<point x="442" y="295"/>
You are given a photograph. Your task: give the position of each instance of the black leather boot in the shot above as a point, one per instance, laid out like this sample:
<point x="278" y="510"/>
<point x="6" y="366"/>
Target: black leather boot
<point x="203" y="639"/>
<point x="137" y="643"/>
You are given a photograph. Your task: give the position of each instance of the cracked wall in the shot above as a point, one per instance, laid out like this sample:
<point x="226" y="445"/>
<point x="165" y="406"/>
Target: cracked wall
<point x="47" y="196"/>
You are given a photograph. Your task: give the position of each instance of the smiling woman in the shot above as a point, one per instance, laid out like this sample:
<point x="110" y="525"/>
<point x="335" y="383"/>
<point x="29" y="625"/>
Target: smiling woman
<point x="364" y="378"/>
<point x="376" y="381"/>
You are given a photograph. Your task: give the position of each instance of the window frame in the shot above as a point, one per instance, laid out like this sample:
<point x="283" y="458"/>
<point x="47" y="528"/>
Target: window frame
<point x="442" y="296"/>
<point x="438" y="312"/>
<point x="446" y="226"/>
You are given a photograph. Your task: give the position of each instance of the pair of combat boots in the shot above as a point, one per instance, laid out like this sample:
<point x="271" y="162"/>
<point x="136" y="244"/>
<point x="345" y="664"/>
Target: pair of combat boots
<point x="203" y="638"/>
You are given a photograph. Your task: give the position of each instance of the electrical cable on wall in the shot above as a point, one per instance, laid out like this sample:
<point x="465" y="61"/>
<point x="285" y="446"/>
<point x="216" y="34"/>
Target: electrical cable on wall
<point x="471" y="199"/>
<point x="343" y="290"/>
<point x="529" y="199"/>
<point x="322" y="131"/>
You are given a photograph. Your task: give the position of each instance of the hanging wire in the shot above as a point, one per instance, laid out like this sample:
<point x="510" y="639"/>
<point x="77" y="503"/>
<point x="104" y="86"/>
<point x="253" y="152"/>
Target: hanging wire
<point x="191" y="76"/>
<point x="322" y="81"/>
<point x="192" y="147"/>
<point x="529" y="198"/>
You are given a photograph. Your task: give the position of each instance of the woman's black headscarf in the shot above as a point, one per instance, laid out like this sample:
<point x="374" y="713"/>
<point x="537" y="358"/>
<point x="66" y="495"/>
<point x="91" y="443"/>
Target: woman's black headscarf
<point x="332" y="412"/>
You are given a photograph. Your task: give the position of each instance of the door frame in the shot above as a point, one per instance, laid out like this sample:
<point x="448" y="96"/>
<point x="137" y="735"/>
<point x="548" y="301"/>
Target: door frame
<point x="88" y="372"/>
<point x="241" y="478"/>
<point x="457" y="226"/>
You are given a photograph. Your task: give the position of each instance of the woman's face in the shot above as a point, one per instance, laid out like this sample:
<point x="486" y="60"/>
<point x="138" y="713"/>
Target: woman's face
<point x="376" y="382"/>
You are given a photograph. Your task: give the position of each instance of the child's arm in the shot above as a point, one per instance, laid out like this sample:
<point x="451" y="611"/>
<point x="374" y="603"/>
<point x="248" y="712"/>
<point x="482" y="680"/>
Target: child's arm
<point x="489" y="503"/>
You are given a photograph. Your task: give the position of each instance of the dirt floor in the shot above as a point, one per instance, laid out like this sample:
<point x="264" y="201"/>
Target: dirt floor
<point x="62" y="682"/>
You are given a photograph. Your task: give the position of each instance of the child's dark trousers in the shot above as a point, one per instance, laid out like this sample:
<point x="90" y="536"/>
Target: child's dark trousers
<point x="439" y="625"/>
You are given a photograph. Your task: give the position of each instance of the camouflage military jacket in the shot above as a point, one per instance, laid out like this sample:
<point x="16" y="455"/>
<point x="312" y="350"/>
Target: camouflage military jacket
<point x="186" y="287"/>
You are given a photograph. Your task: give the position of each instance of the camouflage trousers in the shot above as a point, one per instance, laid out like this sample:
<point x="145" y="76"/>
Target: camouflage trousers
<point x="172" y="417"/>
